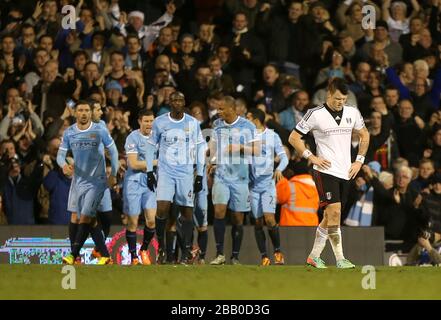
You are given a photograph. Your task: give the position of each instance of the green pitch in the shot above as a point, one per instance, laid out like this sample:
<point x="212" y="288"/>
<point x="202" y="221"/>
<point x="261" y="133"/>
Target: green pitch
<point x="220" y="282"/>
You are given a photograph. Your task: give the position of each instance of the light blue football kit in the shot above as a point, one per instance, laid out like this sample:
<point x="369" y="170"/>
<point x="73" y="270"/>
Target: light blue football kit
<point x="136" y="195"/>
<point x="90" y="180"/>
<point x="232" y="171"/>
<point x="263" y="188"/>
<point x="180" y="148"/>
<point x="106" y="202"/>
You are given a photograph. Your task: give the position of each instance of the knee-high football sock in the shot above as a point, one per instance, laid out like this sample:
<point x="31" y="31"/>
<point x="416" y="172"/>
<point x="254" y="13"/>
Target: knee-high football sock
<point x="334" y="235"/>
<point x="160" y="230"/>
<point x="170" y="242"/>
<point x="98" y="237"/>
<point x="219" y="235"/>
<point x="73" y="228"/>
<point x="105" y="219"/>
<point x="275" y="237"/>
<point x="237" y="235"/>
<point x="321" y="235"/>
<point x="148" y="236"/>
<point x="80" y="238"/>
<point x="202" y="243"/>
<point x="131" y="242"/>
<point x="261" y="240"/>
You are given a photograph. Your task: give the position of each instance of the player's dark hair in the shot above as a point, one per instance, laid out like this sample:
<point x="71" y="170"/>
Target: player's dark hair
<point x="338" y="84"/>
<point x="80" y="102"/>
<point x="258" y="114"/>
<point x="145" y="113"/>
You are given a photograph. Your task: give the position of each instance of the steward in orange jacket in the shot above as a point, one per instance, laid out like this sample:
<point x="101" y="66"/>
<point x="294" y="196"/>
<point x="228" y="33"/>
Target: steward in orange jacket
<point x="300" y="201"/>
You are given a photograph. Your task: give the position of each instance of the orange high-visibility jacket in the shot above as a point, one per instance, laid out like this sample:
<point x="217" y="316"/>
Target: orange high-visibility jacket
<point x="300" y="201"/>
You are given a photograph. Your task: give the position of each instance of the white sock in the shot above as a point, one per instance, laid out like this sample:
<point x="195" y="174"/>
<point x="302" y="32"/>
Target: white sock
<point x="334" y="234"/>
<point x="321" y="235"/>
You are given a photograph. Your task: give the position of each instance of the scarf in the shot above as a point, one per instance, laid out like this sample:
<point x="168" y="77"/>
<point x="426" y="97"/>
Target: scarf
<point x="360" y="214"/>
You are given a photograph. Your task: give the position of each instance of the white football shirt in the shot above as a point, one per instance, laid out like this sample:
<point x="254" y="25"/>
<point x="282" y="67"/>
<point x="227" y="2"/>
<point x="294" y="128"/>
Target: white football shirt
<point x="332" y="132"/>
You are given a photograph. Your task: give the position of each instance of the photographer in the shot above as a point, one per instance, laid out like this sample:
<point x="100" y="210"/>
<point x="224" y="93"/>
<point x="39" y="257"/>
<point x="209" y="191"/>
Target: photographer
<point x="19" y="193"/>
<point x="20" y="112"/>
<point x="427" y="204"/>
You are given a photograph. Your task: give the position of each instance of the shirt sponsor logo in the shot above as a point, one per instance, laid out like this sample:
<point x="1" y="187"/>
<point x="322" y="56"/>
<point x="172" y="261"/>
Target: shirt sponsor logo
<point x="337" y="131"/>
<point x="84" y="144"/>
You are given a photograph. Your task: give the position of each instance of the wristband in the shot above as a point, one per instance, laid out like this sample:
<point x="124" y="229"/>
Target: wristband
<point x="359" y="158"/>
<point x="306" y="154"/>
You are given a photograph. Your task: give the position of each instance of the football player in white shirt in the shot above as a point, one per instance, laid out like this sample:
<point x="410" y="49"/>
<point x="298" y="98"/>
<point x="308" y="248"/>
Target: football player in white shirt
<point x="332" y="126"/>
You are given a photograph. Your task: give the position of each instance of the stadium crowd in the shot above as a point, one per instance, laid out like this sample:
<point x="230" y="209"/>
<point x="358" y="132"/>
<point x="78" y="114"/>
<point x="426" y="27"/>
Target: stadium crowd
<point x="274" y="55"/>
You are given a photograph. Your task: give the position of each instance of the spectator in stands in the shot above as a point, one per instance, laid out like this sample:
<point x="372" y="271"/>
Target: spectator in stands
<point x="294" y="113"/>
<point x="392" y="97"/>
<point x="361" y="77"/>
<point x="397" y="18"/>
<point x="199" y="111"/>
<point x="163" y="45"/>
<point x="92" y="80"/>
<point x="434" y="152"/>
<point x="147" y="34"/>
<point x="11" y="62"/>
<point x="40" y="58"/>
<point x="57" y="184"/>
<point x="429" y="232"/>
<point x="409" y="129"/>
<point x="381" y="38"/>
<point x="409" y="40"/>
<point x="187" y="58"/>
<point x="270" y="93"/>
<point x="134" y="58"/>
<point x="241" y="107"/>
<point x="422" y="100"/>
<point x="98" y="53"/>
<point x="247" y="53"/>
<point x="335" y="67"/>
<point x="19" y="192"/>
<point x="20" y="112"/>
<point x="51" y="92"/>
<point x="383" y="147"/>
<point x="250" y="8"/>
<point x="292" y="26"/>
<point x="425" y="172"/>
<point x="220" y="81"/>
<point x="396" y="210"/>
<point x="349" y="17"/>
<point x="46" y="18"/>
